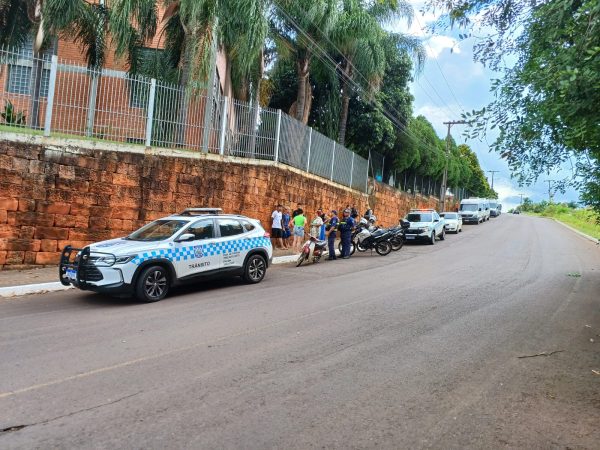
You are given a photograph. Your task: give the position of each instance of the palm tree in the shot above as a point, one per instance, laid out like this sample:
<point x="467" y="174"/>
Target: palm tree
<point x="360" y="40"/>
<point x="46" y="20"/>
<point x="301" y="26"/>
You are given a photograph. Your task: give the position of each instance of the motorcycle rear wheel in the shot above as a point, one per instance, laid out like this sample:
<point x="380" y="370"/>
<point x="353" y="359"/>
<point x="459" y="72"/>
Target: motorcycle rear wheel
<point x="397" y="244"/>
<point x="383" y="248"/>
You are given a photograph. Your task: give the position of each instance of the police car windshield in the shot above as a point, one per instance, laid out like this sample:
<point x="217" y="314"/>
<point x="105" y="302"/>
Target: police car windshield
<point x="468" y="207"/>
<point x="159" y="230"/>
<point x="493" y="205"/>
<point x="417" y="217"/>
<point x="449" y="216"/>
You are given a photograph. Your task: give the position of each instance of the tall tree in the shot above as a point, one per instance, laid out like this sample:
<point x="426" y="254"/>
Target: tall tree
<point x="302" y="27"/>
<point x="361" y="41"/>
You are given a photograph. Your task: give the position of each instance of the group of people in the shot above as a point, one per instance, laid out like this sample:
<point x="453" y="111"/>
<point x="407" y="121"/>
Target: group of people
<point x="287" y="230"/>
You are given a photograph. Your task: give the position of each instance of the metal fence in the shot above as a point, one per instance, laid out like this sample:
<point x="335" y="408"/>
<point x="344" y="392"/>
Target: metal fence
<point x="60" y="97"/>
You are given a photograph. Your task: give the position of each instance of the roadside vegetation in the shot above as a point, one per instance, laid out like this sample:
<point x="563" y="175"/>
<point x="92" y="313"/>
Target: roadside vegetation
<point x="585" y="220"/>
<point x="546" y="102"/>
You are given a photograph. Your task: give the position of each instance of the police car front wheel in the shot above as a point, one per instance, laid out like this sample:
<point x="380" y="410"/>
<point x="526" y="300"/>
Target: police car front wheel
<point x="255" y="269"/>
<point x="152" y="284"/>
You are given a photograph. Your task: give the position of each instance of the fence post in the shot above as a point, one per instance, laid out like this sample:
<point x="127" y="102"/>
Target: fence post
<point x="150" y="109"/>
<point x="277" y="135"/>
<point x="309" y="144"/>
<point x="351" y="169"/>
<point x="223" y="130"/>
<point x="50" y="98"/>
<point x="332" y="160"/>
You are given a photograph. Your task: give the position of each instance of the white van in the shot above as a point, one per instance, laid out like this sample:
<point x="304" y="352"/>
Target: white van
<point x="486" y="209"/>
<point x="495" y="208"/>
<point x="472" y="210"/>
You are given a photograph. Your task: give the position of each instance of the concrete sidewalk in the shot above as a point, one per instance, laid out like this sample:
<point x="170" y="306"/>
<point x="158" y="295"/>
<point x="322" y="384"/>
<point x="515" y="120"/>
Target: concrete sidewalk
<point x="35" y="281"/>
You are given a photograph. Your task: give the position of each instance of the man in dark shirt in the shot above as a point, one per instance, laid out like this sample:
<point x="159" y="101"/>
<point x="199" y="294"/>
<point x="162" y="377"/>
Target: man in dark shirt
<point x="332" y="225"/>
<point x="346" y="225"/>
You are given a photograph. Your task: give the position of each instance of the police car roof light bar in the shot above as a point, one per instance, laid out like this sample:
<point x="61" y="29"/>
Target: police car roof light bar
<point x="200" y="211"/>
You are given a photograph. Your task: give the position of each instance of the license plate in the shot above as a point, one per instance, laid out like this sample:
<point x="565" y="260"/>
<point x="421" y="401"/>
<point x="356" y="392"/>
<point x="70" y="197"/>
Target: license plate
<point x="410" y="237"/>
<point x="72" y="274"/>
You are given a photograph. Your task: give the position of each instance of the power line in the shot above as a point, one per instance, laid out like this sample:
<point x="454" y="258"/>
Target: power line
<point x="332" y="64"/>
<point x="442" y="72"/>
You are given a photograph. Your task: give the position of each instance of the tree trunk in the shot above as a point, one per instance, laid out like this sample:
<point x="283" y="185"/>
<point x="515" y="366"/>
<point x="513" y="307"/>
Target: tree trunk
<point x="256" y="111"/>
<point x="35" y="89"/>
<point x="182" y="104"/>
<point x="345" y="105"/>
<point x="302" y="67"/>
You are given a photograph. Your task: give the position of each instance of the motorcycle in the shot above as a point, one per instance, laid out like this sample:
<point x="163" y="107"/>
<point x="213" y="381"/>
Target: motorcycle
<point x="399" y="235"/>
<point x="312" y="250"/>
<point x="367" y="236"/>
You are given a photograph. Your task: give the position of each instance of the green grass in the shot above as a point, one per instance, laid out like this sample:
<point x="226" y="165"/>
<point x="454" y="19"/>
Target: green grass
<point x="583" y="220"/>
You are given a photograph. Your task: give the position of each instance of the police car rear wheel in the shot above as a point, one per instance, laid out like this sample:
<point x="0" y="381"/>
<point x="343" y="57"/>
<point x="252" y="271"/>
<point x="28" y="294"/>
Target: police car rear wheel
<point x="153" y="284"/>
<point x="255" y="270"/>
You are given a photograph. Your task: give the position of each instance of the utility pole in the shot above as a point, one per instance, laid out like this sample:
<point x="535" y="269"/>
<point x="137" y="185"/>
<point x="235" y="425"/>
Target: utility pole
<point x="521" y="198"/>
<point x="549" y="189"/>
<point x="493" y="172"/>
<point x="445" y="179"/>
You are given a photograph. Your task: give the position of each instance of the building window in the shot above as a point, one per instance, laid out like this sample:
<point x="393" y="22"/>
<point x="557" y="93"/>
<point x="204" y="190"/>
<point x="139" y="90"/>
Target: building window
<point x="20" y="71"/>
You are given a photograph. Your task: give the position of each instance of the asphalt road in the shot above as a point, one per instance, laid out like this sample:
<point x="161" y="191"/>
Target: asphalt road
<point x="419" y="349"/>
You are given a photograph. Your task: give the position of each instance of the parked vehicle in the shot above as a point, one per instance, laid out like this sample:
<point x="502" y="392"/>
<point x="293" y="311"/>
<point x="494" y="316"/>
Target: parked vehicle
<point x="312" y="251"/>
<point x="486" y="209"/>
<point x="198" y="243"/>
<point x="495" y="208"/>
<point x="372" y="238"/>
<point x="367" y="236"/>
<point x="516" y="211"/>
<point x="425" y="225"/>
<point x="472" y="210"/>
<point x="453" y="222"/>
<point x="399" y="235"/>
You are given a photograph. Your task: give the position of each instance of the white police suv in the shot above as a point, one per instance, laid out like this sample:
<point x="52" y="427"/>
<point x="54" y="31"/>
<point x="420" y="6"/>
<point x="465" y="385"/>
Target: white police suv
<point x="196" y="244"/>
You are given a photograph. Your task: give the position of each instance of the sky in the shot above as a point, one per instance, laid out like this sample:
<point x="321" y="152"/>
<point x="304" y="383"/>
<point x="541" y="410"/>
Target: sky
<point x="452" y="82"/>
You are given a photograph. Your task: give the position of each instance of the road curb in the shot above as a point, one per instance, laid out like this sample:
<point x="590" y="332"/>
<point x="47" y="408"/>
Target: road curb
<point x="587" y="236"/>
<point x="40" y="288"/>
<point x="27" y="289"/>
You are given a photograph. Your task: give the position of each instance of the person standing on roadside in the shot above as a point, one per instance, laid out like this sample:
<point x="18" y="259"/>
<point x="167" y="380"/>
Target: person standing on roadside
<point x="332" y="225"/>
<point x="299" y="222"/>
<point x="285" y="224"/>
<point x="316" y="225"/>
<point x="322" y="231"/>
<point x="276" y="229"/>
<point x="346" y="225"/>
<point x="297" y="211"/>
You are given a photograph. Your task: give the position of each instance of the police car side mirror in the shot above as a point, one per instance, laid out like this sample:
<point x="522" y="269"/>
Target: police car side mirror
<point x="186" y="237"/>
<point x="436" y="220"/>
<point x="479" y="209"/>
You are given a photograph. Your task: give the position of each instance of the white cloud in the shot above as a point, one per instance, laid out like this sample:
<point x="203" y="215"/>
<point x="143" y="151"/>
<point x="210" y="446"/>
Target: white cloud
<point x="508" y="195"/>
<point x="435" y="45"/>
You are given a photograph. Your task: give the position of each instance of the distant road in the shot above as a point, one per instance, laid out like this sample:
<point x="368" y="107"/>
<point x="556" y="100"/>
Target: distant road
<point x="419" y="349"/>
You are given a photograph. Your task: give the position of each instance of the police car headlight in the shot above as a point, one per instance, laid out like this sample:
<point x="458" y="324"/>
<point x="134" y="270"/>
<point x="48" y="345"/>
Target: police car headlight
<point x="124" y="259"/>
<point x="426" y="229"/>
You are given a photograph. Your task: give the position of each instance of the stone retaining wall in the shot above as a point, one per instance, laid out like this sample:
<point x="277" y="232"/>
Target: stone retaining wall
<point x="54" y="193"/>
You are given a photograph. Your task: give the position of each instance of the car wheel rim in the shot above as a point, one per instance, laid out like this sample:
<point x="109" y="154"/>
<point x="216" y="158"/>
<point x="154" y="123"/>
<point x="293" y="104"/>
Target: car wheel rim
<point x="256" y="270"/>
<point x="156" y="284"/>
